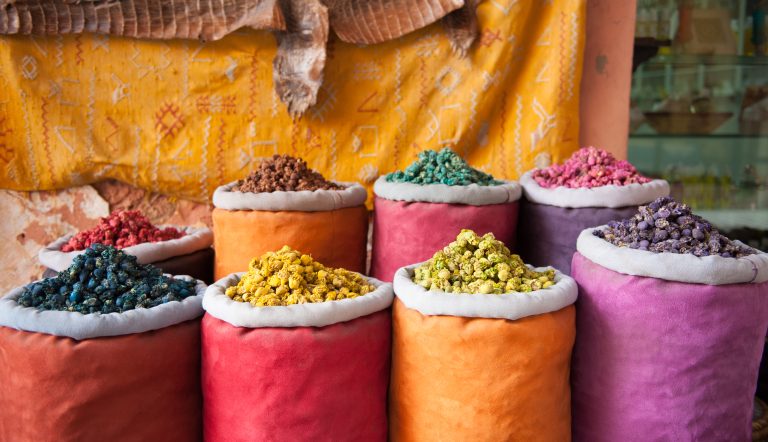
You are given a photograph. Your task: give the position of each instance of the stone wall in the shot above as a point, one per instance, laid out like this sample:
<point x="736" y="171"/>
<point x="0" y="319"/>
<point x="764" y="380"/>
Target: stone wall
<point x="33" y="219"/>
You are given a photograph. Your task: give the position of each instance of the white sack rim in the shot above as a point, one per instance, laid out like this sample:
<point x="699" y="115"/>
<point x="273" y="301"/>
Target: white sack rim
<point x="473" y="194"/>
<point x="319" y="314"/>
<point x="610" y="196"/>
<point x="511" y="306"/>
<point x="96" y="325"/>
<point x="194" y="239"/>
<point x="679" y="267"/>
<point x="321" y="200"/>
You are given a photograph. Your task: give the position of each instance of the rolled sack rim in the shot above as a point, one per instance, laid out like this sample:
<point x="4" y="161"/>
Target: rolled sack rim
<point x="320" y="200"/>
<point x="81" y="326"/>
<point x="676" y="267"/>
<point x="472" y="194"/>
<point x="194" y="239"/>
<point x="610" y="196"/>
<point x="319" y="314"/>
<point x="511" y="306"/>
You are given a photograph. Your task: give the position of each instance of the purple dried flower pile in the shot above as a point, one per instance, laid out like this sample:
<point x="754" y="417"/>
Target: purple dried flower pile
<point x="666" y="226"/>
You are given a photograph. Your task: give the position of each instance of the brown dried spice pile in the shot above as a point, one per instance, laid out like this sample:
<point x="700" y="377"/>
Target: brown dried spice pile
<point x="284" y="172"/>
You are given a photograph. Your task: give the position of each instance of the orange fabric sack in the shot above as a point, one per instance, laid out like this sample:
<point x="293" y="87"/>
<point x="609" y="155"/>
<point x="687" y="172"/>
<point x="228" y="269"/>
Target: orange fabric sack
<point x="460" y="378"/>
<point x="332" y="226"/>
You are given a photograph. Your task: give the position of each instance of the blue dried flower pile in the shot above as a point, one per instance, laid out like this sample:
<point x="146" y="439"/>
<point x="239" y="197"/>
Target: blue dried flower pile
<point x="665" y="225"/>
<point x="444" y="167"/>
<point x="105" y="280"/>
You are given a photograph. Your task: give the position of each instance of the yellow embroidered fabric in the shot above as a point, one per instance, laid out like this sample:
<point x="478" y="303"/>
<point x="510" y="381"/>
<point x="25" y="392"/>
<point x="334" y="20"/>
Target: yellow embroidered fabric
<point x="183" y="117"/>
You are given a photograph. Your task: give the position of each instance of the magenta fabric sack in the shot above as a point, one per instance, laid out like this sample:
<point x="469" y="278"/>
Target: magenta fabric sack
<point x="551" y="219"/>
<point x="667" y="346"/>
<point x="411" y="221"/>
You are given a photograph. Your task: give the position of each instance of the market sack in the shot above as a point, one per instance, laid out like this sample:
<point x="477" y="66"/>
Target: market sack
<point x="411" y="221"/>
<point x="668" y="344"/>
<point x="130" y="376"/>
<point x="589" y="189"/>
<point x="189" y="254"/>
<point x="551" y="219"/>
<point x="313" y="371"/>
<point x="481" y="367"/>
<point x="331" y="225"/>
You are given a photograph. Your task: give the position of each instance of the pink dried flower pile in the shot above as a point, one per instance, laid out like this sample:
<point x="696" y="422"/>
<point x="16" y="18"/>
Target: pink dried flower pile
<point x="589" y="167"/>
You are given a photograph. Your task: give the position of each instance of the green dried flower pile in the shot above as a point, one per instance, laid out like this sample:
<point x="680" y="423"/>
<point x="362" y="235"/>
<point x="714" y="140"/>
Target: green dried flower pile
<point x="444" y="167"/>
<point x="475" y="264"/>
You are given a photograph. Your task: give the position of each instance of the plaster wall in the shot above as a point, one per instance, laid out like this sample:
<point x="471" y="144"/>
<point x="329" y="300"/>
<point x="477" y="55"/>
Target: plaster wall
<point x="607" y="75"/>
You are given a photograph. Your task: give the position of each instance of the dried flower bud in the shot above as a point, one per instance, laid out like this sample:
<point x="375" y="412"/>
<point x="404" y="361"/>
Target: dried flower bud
<point x="105" y="280"/>
<point x="475" y="264"/>
<point x="284" y="173"/>
<point x="444" y="167"/>
<point x="589" y="167"/>
<point x="122" y="228"/>
<point x="671" y="232"/>
<point x="289" y="277"/>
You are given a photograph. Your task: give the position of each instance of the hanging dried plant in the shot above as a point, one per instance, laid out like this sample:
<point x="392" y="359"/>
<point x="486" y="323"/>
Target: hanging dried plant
<point x="301" y="27"/>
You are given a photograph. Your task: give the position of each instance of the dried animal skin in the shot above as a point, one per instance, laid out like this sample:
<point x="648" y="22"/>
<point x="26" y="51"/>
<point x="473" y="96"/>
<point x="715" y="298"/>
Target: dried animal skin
<point x="300" y="58"/>
<point x="301" y="27"/>
<point x="462" y="28"/>
<point x="155" y="19"/>
<point x="375" y="21"/>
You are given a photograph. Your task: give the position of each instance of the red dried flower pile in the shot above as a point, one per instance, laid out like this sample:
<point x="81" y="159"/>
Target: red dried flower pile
<point x="121" y="229"/>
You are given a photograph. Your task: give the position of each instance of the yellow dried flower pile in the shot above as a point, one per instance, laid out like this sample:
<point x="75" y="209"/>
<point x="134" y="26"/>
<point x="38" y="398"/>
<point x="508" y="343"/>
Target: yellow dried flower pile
<point x="288" y="277"/>
<point x="475" y="264"/>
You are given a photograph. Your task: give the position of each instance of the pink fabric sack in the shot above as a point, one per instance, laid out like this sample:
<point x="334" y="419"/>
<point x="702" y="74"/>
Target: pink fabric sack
<point x="411" y="221"/>
<point x="315" y="372"/>
<point x="668" y="346"/>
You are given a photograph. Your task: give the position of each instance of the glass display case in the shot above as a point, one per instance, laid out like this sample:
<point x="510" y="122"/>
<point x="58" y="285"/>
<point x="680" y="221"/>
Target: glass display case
<point x="700" y="120"/>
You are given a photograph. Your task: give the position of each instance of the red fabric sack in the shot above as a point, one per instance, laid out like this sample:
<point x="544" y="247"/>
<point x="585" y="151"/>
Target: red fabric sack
<point x="263" y="381"/>
<point x="120" y="377"/>
<point x="411" y="221"/>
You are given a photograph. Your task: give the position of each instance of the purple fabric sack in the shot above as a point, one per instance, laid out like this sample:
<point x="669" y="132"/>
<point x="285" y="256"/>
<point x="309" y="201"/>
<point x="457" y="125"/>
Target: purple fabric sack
<point x="658" y="360"/>
<point x="551" y="219"/>
<point x="546" y="235"/>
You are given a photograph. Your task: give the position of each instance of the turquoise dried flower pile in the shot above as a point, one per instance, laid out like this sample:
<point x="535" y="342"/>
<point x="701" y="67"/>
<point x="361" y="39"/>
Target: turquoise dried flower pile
<point x="444" y="167"/>
<point x="105" y="280"/>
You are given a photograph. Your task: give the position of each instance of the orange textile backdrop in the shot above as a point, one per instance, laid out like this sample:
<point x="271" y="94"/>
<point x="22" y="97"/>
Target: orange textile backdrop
<point x="183" y="117"/>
